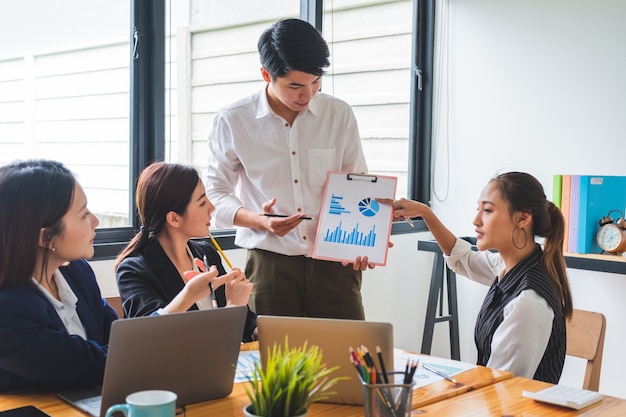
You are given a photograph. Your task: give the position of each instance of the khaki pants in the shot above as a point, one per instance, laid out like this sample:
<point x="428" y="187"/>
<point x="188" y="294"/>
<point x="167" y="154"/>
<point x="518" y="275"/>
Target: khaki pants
<point x="303" y="287"/>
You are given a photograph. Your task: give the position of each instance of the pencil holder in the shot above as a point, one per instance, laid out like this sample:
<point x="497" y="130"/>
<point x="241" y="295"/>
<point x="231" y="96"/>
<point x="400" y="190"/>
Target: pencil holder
<point x="393" y="399"/>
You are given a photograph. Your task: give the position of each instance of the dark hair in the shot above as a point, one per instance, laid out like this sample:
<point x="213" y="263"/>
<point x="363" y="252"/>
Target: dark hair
<point x="162" y="187"/>
<point x="293" y="44"/>
<point x="525" y="193"/>
<point x="34" y="194"/>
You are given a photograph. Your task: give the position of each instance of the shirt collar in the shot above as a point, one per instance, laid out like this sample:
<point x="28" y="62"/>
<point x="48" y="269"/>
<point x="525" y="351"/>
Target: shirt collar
<point x="264" y="109"/>
<point x="67" y="296"/>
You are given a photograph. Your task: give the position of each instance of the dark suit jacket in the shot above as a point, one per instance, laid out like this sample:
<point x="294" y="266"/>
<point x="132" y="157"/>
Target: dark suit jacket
<point x="36" y="351"/>
<point x="147" y="280"/>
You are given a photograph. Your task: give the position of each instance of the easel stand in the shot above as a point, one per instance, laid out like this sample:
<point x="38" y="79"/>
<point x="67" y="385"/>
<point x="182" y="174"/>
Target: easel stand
<point x="435" y="297"/>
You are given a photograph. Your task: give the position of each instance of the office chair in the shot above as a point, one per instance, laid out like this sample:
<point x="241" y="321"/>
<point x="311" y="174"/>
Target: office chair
<point x="585" y="339"/>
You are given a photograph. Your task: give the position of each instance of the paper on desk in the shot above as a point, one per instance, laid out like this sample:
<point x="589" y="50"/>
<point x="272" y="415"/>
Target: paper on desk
<point x="423" y="377"/>
<point x="245" y="365"/>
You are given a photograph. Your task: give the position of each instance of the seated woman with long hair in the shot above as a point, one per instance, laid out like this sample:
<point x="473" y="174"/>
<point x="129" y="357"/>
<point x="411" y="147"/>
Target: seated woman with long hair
<point x="54" y="324"/>
<point x="162" y="269"/>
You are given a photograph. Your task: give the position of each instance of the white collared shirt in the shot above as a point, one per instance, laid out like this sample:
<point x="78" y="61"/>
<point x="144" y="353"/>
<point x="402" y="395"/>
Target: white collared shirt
<point x="255" y="155"/>
<point x="66" y="307"/>
<point x="205" y="303"/>
<point x="519" y="342"/>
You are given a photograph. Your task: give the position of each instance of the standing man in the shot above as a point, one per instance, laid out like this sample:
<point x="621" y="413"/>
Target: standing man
<point x="274" y="149"/>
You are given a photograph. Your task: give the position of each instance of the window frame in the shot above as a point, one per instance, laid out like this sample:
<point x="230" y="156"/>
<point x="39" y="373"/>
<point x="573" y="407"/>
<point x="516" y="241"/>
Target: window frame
<point x="147" y="110"/>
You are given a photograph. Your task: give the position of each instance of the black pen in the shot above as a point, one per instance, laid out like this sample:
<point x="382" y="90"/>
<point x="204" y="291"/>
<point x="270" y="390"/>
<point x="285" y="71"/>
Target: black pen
<point x="284" y="215"/>
<point x="206" y="269"/>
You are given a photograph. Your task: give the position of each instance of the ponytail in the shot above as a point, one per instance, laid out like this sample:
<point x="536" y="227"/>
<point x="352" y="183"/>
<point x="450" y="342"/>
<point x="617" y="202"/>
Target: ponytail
<point x="137" y="242"/>
<point x="553" y="259"/>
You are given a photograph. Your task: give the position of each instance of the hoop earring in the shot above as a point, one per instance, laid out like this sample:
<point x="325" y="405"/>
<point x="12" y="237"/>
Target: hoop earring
<point x="525" y="238"/>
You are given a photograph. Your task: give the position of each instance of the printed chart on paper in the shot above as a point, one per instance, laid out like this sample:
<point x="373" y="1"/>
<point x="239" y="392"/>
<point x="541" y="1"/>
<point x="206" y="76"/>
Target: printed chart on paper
<point x="352" y="223"/>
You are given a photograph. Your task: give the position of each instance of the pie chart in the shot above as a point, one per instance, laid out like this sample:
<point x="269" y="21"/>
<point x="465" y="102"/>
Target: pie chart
<point x="368" y="207"/>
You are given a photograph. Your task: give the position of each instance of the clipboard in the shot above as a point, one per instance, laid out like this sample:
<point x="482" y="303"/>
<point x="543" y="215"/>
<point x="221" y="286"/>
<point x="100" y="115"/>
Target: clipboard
<point x="351" y="222"/>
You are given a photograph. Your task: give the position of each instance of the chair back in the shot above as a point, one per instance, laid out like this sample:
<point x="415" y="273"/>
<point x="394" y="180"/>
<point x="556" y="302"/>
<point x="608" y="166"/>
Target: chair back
<point x="585" y="339"/>
<point x="116" y="303"/>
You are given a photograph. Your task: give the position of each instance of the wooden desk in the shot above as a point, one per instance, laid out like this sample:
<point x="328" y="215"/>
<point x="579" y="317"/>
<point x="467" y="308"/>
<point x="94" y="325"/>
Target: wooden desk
<point x="233" y="405"/>
<point x="505" y="399"/>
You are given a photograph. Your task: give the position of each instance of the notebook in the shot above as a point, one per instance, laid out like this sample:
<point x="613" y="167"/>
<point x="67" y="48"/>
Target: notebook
<point x="193" y="354"/>
<point x="334" y="337"/>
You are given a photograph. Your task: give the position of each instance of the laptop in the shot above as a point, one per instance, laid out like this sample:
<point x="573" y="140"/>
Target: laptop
<point x="334" y="337"/>
<point x="193" y="354"/>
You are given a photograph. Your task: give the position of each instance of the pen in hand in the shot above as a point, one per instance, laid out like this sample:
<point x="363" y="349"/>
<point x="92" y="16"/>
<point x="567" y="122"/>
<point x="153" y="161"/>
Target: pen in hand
<point x="284" y="215"/>
<point x="206" y="269"/>
<point x="397" y="205"/>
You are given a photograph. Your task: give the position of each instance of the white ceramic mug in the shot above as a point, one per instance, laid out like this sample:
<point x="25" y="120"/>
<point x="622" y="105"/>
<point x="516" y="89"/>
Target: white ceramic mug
<point x="154" y="403"/>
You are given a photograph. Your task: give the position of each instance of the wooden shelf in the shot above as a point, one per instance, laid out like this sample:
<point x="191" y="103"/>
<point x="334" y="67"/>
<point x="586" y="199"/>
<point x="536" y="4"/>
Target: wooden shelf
<point x="595" y="262"/>
<point x="591" y="262"/>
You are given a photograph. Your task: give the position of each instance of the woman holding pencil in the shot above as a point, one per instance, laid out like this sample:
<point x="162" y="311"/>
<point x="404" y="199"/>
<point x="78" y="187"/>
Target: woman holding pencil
<point x="163" y="269"/>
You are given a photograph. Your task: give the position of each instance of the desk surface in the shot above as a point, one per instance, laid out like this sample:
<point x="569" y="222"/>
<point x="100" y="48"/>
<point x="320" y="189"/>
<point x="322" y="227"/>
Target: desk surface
<point x="505" y="399"/>
<point x="233" y="404"/>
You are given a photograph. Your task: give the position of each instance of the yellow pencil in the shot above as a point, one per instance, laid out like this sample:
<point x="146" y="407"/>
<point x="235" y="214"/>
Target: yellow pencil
<point x="221" y="251"/>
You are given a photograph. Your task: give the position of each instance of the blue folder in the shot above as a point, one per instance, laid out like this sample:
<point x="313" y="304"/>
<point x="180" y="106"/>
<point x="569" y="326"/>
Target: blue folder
<point x="598" y="195"/>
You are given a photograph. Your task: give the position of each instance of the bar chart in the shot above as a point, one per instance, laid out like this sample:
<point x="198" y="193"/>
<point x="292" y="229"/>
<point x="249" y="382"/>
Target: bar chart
<point x="352" y="223"/>
<point x="352" y="237"/>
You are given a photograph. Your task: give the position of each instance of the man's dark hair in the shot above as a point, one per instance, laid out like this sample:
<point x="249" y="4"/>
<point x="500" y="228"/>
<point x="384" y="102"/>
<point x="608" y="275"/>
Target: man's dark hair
<point x="293" y="44"/>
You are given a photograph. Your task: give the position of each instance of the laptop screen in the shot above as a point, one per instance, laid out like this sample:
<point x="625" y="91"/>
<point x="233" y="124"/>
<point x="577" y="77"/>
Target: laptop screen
<point x="193" y="354"/>
<point x="334" y="337"/>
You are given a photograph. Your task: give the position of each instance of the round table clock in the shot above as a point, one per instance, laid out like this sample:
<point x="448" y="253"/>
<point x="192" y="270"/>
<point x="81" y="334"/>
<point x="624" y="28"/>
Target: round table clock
<point x="612" y="234"/>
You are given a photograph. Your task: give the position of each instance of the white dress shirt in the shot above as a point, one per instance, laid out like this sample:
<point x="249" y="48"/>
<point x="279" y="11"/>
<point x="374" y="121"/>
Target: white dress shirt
<point x="521" y="339"/>
<point x="66" y="307"/>
<point x="255" y="155"/>
<point x="205" y="303"/>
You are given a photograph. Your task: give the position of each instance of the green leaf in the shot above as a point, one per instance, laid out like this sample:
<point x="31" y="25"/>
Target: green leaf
<point x="292" y="380"/>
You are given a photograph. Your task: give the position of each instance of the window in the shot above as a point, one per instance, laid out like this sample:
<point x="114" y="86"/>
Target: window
<point x="370" y="48"/>
<point x="64" y="94"/>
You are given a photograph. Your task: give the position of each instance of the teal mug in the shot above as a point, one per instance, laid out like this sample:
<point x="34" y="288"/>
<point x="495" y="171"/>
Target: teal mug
<point x="155" y="403"/>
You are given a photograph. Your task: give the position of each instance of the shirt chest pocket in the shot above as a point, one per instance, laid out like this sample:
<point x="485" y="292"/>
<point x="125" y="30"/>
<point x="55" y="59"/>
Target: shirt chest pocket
<point x="320" y="162"/>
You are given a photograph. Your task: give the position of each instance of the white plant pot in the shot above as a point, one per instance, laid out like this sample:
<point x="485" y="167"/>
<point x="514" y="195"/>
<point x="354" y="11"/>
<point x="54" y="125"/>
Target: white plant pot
<point x="247" y="411"/>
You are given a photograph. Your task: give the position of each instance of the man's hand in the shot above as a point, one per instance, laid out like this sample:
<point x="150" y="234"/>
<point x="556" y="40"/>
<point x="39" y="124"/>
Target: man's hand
<point x="280" y="226"/>
<point x="360" y="263"/>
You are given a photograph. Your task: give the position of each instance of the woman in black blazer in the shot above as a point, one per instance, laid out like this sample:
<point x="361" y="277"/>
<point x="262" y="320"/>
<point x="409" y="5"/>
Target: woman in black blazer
<point x="162" y="270"/>
<point x="54" y="324"/>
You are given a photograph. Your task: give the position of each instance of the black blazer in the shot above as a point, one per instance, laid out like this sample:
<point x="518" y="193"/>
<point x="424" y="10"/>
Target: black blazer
<point x="37" y="352"/>
<point x="147" y="280"/>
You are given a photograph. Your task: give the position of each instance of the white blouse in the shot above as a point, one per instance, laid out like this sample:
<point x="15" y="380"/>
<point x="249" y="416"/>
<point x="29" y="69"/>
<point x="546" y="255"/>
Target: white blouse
<point x="521" y="339"/>
<point x="205" y="303"/>
<point x="66" y="307"/>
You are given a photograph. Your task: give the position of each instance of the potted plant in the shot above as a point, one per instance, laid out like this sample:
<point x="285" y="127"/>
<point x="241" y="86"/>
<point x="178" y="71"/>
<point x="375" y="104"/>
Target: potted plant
<point x="292" y="379"/>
